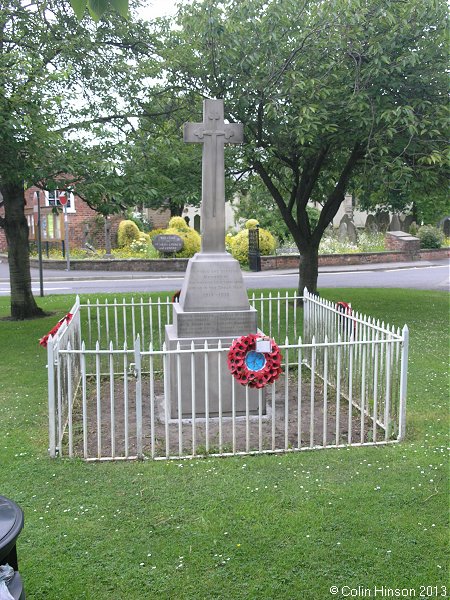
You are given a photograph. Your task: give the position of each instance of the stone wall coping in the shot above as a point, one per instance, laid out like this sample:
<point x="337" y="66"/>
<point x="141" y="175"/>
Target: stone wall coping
<point x="402" y="234"/>
<point x="281" y="261"/>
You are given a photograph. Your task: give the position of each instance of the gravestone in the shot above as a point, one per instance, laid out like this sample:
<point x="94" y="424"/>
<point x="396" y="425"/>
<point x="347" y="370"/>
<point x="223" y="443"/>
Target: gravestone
<point x="347" y="230"/>
<point x="445" y="225"/>
<point x="352" y="234"/>
<point x="382" y="220"/>
<point x="395" y="224"/>
<point x="406" y="223"/>
<point x="371" y="224"/>
<point x="342" y="232"/>
<point x="213" y="301"/>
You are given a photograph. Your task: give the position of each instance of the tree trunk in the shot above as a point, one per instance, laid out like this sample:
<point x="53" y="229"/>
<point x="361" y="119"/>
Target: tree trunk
<point x="309" y="269"/>
<point x="176" y="210"/>
<point x="23" y="305"/>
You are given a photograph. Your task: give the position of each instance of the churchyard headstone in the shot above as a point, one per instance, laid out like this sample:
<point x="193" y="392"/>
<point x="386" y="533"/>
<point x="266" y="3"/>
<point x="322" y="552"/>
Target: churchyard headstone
<point x="342" y="231"/>
<point x="347" y="230"/>
<point x="395" y="223"/>
<point x="352" y="233"/>
<point x="445" y="224"/>
<point x="406" y="223"/>
<point x="371" y="224"/>
<point x="382" y="220"/>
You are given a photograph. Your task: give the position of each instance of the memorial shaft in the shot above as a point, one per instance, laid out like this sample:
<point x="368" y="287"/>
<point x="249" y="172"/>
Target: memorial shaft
<point x="213" y="133"/>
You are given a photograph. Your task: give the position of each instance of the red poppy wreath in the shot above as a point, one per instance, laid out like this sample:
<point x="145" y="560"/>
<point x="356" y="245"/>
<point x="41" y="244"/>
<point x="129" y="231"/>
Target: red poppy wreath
<point x="253" y="368"/>
<point x="44" y="340"/>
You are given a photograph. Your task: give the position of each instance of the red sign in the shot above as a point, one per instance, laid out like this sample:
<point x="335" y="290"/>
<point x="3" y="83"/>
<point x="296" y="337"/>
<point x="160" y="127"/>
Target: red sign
<point x="62" y="198"/>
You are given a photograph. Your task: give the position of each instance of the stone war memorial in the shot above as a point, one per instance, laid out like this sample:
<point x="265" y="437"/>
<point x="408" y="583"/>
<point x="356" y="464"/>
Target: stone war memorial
<point x="213" y="304"/>
<point x="211" y="374"/>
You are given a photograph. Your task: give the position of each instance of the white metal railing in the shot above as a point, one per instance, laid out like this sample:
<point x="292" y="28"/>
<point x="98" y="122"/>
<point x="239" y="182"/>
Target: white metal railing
<point x="343" y="383"/>
<point x="62" y="371"/>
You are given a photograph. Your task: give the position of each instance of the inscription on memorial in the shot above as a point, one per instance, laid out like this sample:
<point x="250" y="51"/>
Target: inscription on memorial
<point x="214" y="283"/>
<point x="215" y="325"/>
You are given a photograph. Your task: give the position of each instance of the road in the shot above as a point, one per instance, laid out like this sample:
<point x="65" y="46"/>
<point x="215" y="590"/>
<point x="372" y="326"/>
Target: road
<point x="424" y="275"/>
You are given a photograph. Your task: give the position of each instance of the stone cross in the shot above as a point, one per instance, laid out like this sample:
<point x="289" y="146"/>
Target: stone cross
<point x="214" y="133"/>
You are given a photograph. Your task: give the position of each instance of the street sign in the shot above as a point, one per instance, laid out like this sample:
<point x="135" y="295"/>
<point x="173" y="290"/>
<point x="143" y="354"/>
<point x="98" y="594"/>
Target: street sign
<point x="63" y="198"/>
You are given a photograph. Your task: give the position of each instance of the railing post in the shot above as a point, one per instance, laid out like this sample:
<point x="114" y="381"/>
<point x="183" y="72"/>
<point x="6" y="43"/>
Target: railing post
<point x="138" y="375"/>
<point x="403" y="384"/>
<point x="51" y="398"/>
<point x="305" y="315"/>
<point x="78" y="321"/>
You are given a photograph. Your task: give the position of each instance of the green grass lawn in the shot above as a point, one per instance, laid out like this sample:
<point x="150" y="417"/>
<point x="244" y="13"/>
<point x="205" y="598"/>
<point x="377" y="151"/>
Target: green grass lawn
<point x="269" y="527"/>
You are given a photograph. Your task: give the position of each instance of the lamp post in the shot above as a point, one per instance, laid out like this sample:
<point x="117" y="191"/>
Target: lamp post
<point x="63" y="199"/>
<point x="37" y="209"/>
<point x="107" y="237"/>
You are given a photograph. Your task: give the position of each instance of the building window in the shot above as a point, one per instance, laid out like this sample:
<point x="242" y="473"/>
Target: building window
<point x="52" y="199"/>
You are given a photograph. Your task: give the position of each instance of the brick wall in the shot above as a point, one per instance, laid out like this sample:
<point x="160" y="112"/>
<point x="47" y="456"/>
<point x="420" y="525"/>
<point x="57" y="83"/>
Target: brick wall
<point x="267" y="262"/>
<point x="292" y="261"/>
<point x="402" y="242"/>
<point x="158" y="218"/>
<point x="85" y="224"/>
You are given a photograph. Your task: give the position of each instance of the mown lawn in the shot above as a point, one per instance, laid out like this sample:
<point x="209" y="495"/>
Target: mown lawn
<point x="269" y="527"/>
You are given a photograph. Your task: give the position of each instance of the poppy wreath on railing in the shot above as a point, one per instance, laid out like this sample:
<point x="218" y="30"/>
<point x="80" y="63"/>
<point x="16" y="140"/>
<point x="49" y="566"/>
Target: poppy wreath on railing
<point x="44" y="340"/>
<point x="345" y="320"/>
<point x="252" y="368"/>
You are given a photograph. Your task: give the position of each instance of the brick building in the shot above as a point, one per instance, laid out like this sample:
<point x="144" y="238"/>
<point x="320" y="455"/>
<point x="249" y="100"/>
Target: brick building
<point x="85" y="224"/>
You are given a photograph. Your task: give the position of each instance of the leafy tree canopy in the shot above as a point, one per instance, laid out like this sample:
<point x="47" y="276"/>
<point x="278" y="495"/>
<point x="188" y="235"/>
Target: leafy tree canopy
<point x="59" y="76"/>
<point x="161" y="170"/>
<point x="98" y="8"/>
<point x="331" y="94"/>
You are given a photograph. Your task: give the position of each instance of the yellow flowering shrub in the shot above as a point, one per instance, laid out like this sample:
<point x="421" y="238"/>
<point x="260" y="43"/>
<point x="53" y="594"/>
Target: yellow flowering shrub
<point x="127" y="233"/>
<point x="155" y="232"/>
<point x="239" y="245"/>
<point x="179" y="223"/>
<point x="251" y="224"/>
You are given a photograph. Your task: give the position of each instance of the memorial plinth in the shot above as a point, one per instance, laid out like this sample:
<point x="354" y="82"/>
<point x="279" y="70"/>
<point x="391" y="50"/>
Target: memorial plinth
<point x="213" y="306"/>
<point x="213" y="302"/>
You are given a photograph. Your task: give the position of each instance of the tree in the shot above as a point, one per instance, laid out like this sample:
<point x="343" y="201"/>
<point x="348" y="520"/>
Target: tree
<point x="160" y="170"/>
<point x="98" y="8"/>
<point x="330" y="94"/>
<point x="46" y="59"/>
